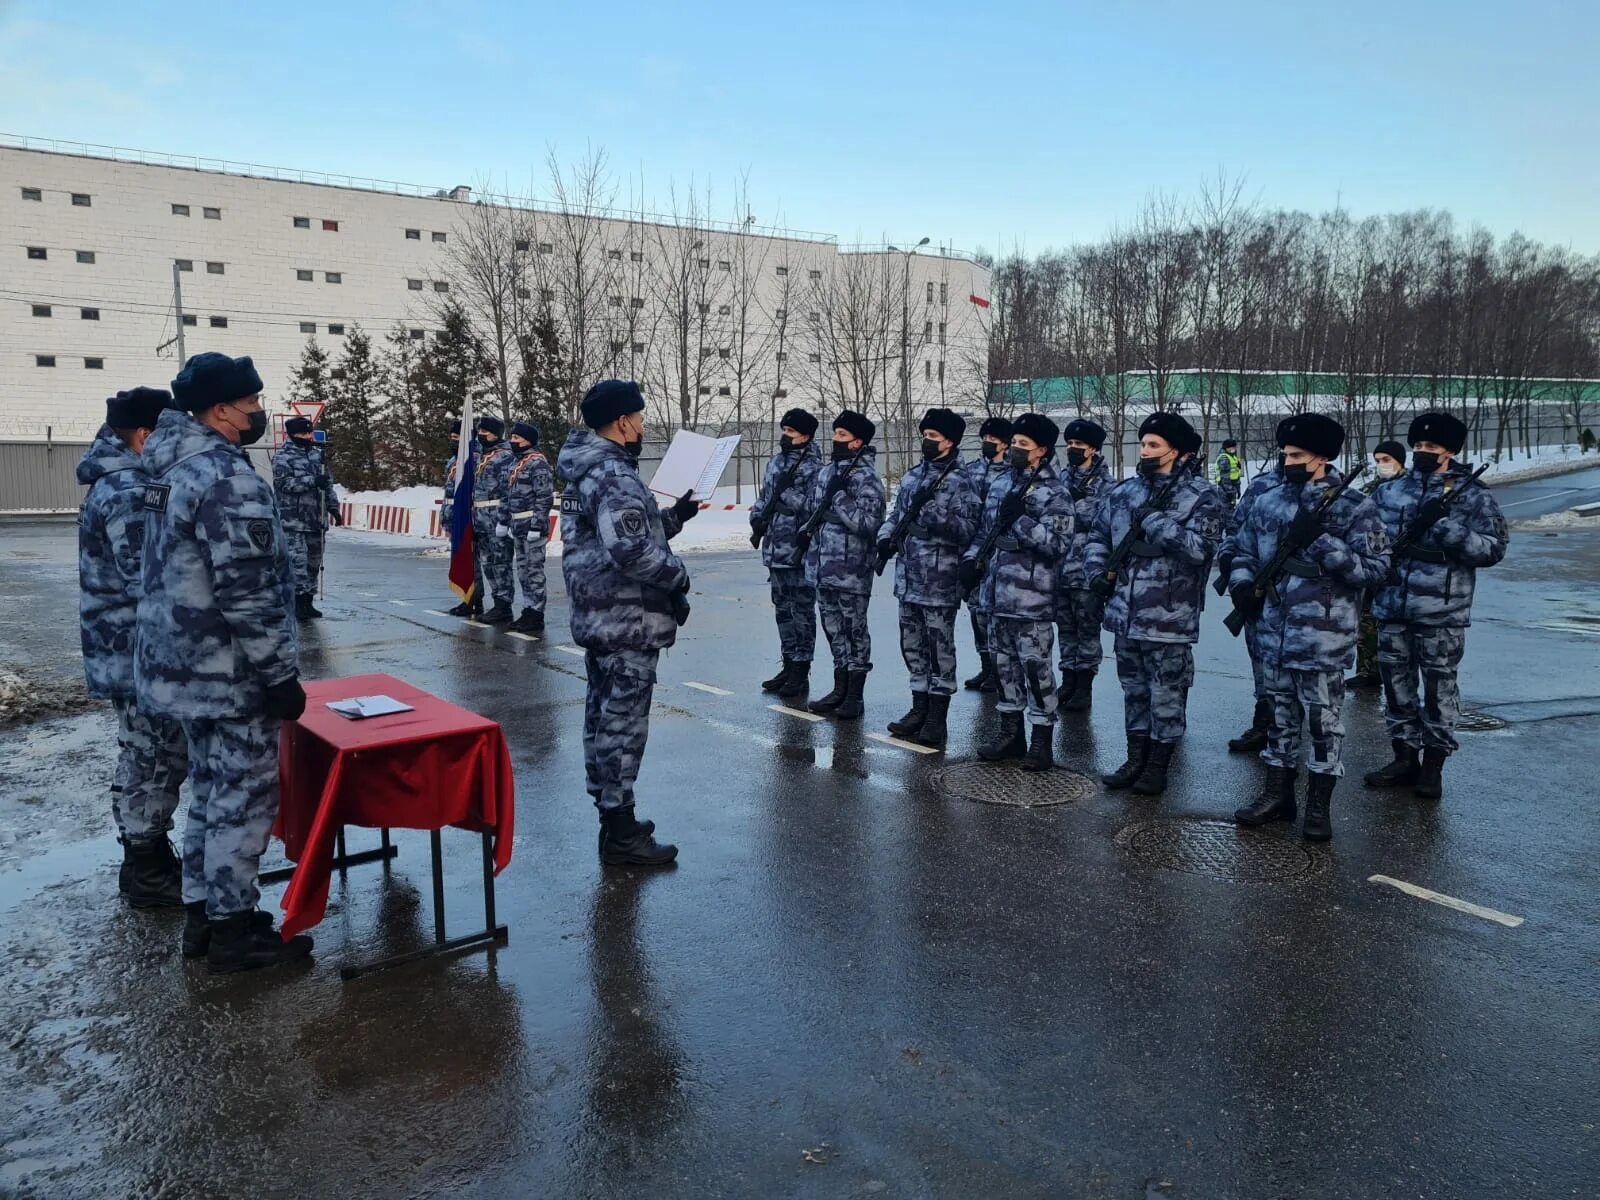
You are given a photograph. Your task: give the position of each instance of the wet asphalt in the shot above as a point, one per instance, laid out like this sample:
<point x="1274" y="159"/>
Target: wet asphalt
<point x="857" y="981"/>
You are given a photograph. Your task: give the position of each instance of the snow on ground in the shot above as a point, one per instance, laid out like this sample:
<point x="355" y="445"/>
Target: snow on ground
<point x="1541" y="461"/>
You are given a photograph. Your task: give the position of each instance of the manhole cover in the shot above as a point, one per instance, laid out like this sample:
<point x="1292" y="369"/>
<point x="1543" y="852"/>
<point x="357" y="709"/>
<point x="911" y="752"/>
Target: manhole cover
<point x="1472" y="721"/>
<point x="1008" y="783"/>
<point x="1219" y="850"/>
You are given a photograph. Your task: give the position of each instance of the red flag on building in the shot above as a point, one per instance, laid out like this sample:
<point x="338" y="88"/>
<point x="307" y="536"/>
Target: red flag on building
<point x="978" y="300"/>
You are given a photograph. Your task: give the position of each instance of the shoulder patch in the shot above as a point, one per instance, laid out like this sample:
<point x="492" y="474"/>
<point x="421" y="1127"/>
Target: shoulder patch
<point x="569" y="502"/>
<point x="155" y="497"/>
<point x="260" y="535"/>
<point x="1377" y="540"/>
<point x="631" y="523"/>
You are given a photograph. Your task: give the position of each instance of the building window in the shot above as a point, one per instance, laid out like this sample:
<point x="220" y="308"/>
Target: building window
<point x="522" y="245"/>
<point x="783" y="270"/>
<point x="703" y="390"/>
<point x="44" y="360"/>
<point x="941" y="370"/>
<point x="614" y="301"/>
<point x="941" y="333"/>
<point x="724" y="310"/>
<point x="547" y="294"/>
<point x="781" y="394"/>
<point x="703" y="263"/>
<point x="86" y="256"/>
<point x="94" y="364"/>
<point x="437" y="236"/>
<point x="635" y="256"/>
<point x="414" y="285"/>
<point x="816" y="358"/>
<point x="80" y="200"/>
<point x="546" y="248"/>
<point x="32" y="194"/>
<point x="782" y="356"/>
<point x="336" y="373"/>
<point x="616" y="347"/>
<point x="724" y="353"/>
<point x="190" y="319"/>
<point x="413" y="235"/>
<point x="724" y="391"/>
<point x="638" y="347"/>
<point x="927" y="329"/>
<point x="215" y="268"/>
<point x="38" y="253"/>
<point x="524" y="294"/>
<point x="944" y="294"/>
<point x="211" y="214"/>
<point x="813" y="275"/>
<point x="724" y="265"/>
<point x="930" y="291"/>
<point x="302" y="276"/>
<point x="330" y="227"/>
<point x="704" y="308"/>
<point x="333" y="276"/>
<point x="440" y="285"/>
<point x="637" y="302"/>
<point x="780" y="314"/>
<point x="219" y="322"/>
<point x="88" y="314"/>
<point x="615" y="255"/>
<point x="180" y="210"/>
<point x="416" y="334"/>
<point x="336" y="330"/>
<point x="41" y="310"/>
<point x="184" y="264"/>
<point x="308" y="326"/>
<point x="302" y="222"/>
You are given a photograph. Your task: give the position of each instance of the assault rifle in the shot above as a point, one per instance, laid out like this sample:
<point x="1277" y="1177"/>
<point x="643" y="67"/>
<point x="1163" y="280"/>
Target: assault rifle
<point x="783" y="483"/>
<point x="1119" y="552"/>
<point x="986" y="551"/>
<point x="1416" y="531"/>
<point x="918" y="503"/>
<point x="835" y="486"/>
<point x="1267" y="578"/>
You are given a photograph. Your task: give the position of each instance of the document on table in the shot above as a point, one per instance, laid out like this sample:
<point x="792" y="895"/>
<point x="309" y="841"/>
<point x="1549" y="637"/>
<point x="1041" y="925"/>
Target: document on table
<point x="358" y="708"/>
<point x="693" y="463"/>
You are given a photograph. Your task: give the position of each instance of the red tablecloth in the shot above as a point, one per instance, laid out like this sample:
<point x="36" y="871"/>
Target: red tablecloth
<point x="438" y="765"/>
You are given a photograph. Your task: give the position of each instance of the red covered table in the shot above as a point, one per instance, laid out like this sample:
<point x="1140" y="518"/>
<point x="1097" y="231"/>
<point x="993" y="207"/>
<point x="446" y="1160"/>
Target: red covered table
<point x="438" y="765"/>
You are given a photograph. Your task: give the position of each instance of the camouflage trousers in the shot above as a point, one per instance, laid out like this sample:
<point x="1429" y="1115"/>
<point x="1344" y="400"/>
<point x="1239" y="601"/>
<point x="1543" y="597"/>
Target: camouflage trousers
<point x="1367" y="643"/>
<point x="1021" y="652"/>
<point x="1078" y="615"/>
<point x="844" y="621"/>
<point x="794" y="602"/>
<point x="1314" y="699"/>
<point x="152" y="761"/>
<point x="928" y="645"/>
<point x="305" y="556"/>
<point x="616" y="722"/>
<point x="1423" y="717"/>
<point x="530" y="570"/>
<point x="494" y="557"/>
<point x="1156" y="678"/>
<point x="1257" y="672"/>
<point x="980" y="629"/>
<point x="233" y="770"/>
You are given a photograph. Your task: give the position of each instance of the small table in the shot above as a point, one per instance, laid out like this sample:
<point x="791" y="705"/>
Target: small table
<point x="438" y="765"/>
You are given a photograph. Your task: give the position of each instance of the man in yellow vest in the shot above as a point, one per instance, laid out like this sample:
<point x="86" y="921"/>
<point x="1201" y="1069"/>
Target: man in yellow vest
<point x="1230" y="471"/>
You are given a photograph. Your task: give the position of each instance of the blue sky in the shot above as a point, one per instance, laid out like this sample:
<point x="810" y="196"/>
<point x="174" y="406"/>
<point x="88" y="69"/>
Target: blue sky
<point x="997" y="125"/>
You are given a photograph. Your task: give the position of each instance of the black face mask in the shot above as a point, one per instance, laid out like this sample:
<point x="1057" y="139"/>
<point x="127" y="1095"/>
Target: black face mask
<point x="930" y="449"/>
<point x="1149" y="467"/>
<point x="1018" y="458"/>
<point x="486" y="443"/>
<point x="993" y="450"/>
<point x="1297" y="473"/>
<point x="842" y="452"/>
<point x="634" y="447"/>
<point x="1077" y="455"/>
<point x="1426" y="462"/>
<point x="253" y="432"/>
<point x="786" y="442"/>
<point x="523" y="449"/>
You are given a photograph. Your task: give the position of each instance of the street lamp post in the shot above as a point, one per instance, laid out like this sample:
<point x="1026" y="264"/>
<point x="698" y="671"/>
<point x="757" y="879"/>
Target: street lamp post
<point x="905" y="337"/>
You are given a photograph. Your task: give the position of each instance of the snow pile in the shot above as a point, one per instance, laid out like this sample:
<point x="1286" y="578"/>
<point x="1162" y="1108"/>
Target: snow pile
<point x="1540" y="462"/>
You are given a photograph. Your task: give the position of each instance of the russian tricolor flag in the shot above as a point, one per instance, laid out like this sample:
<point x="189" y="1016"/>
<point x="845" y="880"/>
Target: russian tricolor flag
<point x="461" y="551"/>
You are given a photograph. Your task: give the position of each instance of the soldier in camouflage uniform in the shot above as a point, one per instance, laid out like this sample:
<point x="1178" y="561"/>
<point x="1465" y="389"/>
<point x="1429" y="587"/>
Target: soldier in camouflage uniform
<point x="934" y="520"/>
<point x="628" y="594"/>
<point x="1013" y="564"/>
<point x="1389" y="462"/>
<point x="306" y="500"/>
<point x="1255" y="737"/>
<point x="530" y="491"/>
<point x="1425" y="606"/>
<point x="994" y="439"/>
<point x="1153" y="604"/>
<point x="1079" y="611"/>
<point x="216" y="648"/>
<point x="1306" y="627"/>
<point x="847" y="503"/>
<point x="781" y="507"/>
<point x="152" y="756"/>
<point x="491" y="520"/>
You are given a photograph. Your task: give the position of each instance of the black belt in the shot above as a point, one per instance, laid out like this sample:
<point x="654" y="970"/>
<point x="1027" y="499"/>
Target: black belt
<point x="1144" y="549"/>
<point x="1007" y="543"/>
<point x="1301" y="569"/>
<point x="1423" y="554"/>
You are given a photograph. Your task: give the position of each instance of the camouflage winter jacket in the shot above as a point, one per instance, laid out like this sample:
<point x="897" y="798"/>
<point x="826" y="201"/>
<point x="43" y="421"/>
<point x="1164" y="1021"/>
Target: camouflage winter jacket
<point x="1088" y="489"/>
<point x="303" y="487"/>
<point x="447" y="509"/>
<point x="110" y="544"/>
<point x="530" y="491"/>
<point x="216" y="617"/>
<point x="1024" y="565"/>
<point x="490" y="482"/>
<point x="844" y="549"/>
<point x="789" y="512"/>
<point x="984" y="475"/>
<point x="1434" y="585"/>
<point x="619" y="570"/>
<point x="1311" y="615"/>
<point x="926" y="571"/>
<point x="1157" y="592"/>
<point x="1261" y="484"/>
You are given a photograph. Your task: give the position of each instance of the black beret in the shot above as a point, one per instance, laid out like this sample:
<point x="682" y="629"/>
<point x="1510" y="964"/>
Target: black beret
<point x="995" y="427"/>
<point x="1082" y="430"/>
<point x="210" y="379"/>
<point x="1438" y="427"/>
<point x="453" y="431"/>
<point x="526" y="431"/>
<point x="856" y="425"/>
<point x="1393" y="449"/>
<point x="610" y="399"/>
<point x="296" y="425"/>
<point x="1312" y="432"/>
<point x="1037" y="427"/>
<point x="943" y="420"/>
<point x="494" y="425"/>
<point x="802" y="422"/>
<point x="1172" y="429"/>
<point x="137" y="408"/>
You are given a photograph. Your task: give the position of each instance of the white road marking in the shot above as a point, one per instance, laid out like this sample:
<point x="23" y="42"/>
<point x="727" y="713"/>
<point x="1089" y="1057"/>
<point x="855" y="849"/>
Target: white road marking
<point x="402" y="603"/>
<point x="1466" y="906"/>
<point x="477" y="624"/>
<point x="794" y="712"/>
<point x="578" y="650"/>
<point x="706" y="687"/>
<point x="527" y="637"/>
<point x="1570" y="627"/>
<point x="1547" y="496"/>
<point x="904" y="745"/>
<point x="368" y="595"/>
<point x="435" y="612"/>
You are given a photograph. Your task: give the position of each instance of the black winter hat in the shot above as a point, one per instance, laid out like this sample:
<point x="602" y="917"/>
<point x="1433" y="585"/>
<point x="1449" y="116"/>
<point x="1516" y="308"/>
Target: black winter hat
<point x="210" y="379"/>
<point x="610" y="399"/>
<point x="1393" y="449"/>
<point x="1082" y="430"/>
<point x="1226" y="442"/>
<point x="855" y="424"/>
<point x="1312" y="432"/>
<point x="1038" y="427"/>
<point x="137" y="408"/>
<point x="995" y="427"/>
<point x="802" y="422"/>
<point x="1438" y="427"/>
<point x="943" y="420"/>
<point x="1172" y="429"/>
<point x="525" y="430"/>
<point x="296" y="425"/>
<point x="494" y="425"/>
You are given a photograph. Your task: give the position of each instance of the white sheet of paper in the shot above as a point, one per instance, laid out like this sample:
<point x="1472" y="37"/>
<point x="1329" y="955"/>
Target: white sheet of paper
<point x="359" y="707"/>
<point x="693" y="463"/>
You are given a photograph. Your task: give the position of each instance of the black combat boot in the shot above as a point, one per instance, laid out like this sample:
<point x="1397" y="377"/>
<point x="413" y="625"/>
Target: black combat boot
<point x="841" y="685"/>
<point x="1069" y="686"/>
<point x="913" y="720"/>
<point x="241" y="943"/>
<point x="986" y="665"/>
<point x="1274" y="802"/>
<point x="1401" y="771"/>
<point x="463" y="609"/>
<point x="475" y="610"/>
<point x="197" y="930"/>
<point x="500" y="614"/>
<point x="1039" y="756"/>
<point x="775" y="684"/>
<point x="1319" y="791"/>
<point x="1362" y="682"/>
<point x="853" y="707"/>
<point x="1082" y="692"/>
<point x="624" y="841"/>
<point x="535" y="622"/>
<point x="303" y="608"/>
<point x="1254" y="738"/>
<point x="798" y="686"/>
<point x="523" y="623"/>
<point x="1430" y="779"/>
<point x="934" y="729"/>
<point x="1152" y="781"/>
<point x="1138" y="751"/>
<point x="1010" y="744"/>
<point x="150" y="875"/>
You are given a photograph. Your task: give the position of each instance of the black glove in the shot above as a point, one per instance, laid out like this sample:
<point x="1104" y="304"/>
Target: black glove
<point x="802" y="541"/>
<point x="1305" y="528"/>
<point x="286" y="700"/>
<point x="334" y="517"/>
<point x="969" y="574"/>
<point x="686" y="507"/>
<point x="835" y="486"/>
<point x="1245" y="599"/>
<point x="1224" y="566"/>
<point x="758" y="530"/>
<point x="680" y="603"/>
<point x="1101" y="586"/>
<point x="885" y="553"/>
<point x="1011" y="507"/>
<point x="1429" y="515"/>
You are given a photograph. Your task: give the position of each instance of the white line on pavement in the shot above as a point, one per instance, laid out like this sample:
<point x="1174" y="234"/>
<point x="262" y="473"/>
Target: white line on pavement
<point x="401" y="603"/>
<point x="578" y="650"/>
<point x="904" y="745"/>
<point x="1570" y="627"/>
<point x="1548" y="496"/>
<point x="1466" y="906"/>
<point x="435" y="612"/>
<point x="706" y="687"/>
<point x="794" y="712"/>
<point x="477" y="624"/>
<point x="527" y="637"/>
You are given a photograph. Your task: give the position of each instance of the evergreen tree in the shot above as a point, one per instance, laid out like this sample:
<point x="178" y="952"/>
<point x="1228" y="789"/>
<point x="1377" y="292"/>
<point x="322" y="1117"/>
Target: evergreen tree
<point x="452" y="368"/>
<point x="353" y="417"/>
<point x="542" y="384"/>
<point x="310" y="381"/>
<point x="412" y="450"/>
